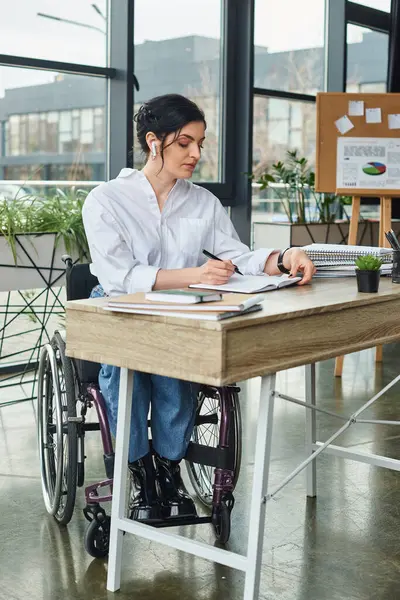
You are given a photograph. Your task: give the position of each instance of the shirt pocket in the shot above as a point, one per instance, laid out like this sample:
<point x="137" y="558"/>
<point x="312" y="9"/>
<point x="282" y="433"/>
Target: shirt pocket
<point x="194" y="234"/>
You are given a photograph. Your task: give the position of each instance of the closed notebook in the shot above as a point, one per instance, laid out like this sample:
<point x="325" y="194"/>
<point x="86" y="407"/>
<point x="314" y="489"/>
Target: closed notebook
<point x="182" y="296"/>
<point x="206" y="315"/>
<point x="346" y="271"/>
<point x="250" y="284"/>
<point x="340" y="254"/>
<point x="138" y="301"/>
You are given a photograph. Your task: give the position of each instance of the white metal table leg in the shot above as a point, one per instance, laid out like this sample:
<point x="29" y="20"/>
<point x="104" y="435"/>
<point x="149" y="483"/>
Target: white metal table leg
<point x="260" y="487"/>
<point x="311" y="430"/>
<point x="119" y="484"/>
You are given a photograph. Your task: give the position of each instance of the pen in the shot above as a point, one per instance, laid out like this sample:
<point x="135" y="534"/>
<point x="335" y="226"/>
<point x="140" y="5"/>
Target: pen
<point x="391" y="237"/>
<point x="209" y="255"/>
<point x="395" y="239"/>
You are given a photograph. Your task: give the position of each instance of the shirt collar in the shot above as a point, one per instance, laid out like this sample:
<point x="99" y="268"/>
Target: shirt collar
<point x="125" y="172"/>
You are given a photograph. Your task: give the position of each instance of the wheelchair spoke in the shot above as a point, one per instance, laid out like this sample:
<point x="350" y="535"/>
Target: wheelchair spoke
<point x="208" y="434"/>
<point x="207" y="429"/>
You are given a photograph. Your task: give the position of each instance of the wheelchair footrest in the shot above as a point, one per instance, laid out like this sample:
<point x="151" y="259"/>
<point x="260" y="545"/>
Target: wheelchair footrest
<point x="183" y="521"/>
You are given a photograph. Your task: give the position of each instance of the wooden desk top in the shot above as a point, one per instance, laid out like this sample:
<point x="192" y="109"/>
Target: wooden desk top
<point x="297" y="325"/>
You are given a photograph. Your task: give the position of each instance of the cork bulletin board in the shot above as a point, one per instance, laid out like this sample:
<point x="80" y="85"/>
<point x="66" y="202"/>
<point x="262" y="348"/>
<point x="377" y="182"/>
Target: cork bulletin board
<point x="333" y="107"/>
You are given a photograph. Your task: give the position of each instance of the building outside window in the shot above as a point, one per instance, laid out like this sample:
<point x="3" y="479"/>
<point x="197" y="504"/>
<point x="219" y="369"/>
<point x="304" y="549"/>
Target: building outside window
<point x="367" y="60"/>
<point x="57" y="127"/>
<point x="53" y="125"/>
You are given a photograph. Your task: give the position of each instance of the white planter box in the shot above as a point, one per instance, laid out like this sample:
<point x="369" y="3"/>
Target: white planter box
<point x="38" y="265"/>
<point x="283" y="235"/>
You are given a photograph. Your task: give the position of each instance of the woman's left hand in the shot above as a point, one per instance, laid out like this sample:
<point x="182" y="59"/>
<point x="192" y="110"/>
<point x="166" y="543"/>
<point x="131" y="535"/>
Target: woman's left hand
<point x="297" y="260"/>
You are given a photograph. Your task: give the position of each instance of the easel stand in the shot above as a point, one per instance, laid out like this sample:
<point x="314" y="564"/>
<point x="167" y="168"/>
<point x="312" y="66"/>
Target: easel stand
<point x="385" y="223"/>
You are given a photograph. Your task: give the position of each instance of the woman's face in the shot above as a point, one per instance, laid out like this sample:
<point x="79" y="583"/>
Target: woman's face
<point x="182" y="155"/>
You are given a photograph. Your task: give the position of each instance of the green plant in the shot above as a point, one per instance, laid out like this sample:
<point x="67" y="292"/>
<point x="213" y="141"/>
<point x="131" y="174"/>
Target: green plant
<point x="293" y="182"/>
<point x="368" y="263"/>
<point x="60" y="213"/>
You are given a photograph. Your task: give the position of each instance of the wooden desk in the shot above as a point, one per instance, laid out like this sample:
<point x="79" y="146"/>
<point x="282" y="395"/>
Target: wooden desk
<point x="297" y="326"/>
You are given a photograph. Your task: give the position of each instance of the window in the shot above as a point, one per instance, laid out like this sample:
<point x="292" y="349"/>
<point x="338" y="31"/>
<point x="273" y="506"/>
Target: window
<point x="33" y="131"/>
<point x="273" y="137"/>
<point x="367" y="60"/>
<point x="13" y="135"/>
<point x="288" y="45"/>
<point x="186" y="58"/>
<point x="72" y="31"/>
<point x="65" y="132"/>
<point x="86" y="134"/>
<point x="98" y="129"/>
<point x="53" y="121"/>
<point x="379" y="4"/>
<point x="32" y="172"/>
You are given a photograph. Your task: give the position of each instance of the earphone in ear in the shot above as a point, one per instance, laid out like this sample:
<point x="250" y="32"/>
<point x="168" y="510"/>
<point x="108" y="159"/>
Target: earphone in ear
<point x="153" y="150"/>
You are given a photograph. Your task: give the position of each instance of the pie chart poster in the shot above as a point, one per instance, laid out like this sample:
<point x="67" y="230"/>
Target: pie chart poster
<point x="368" y="163"/>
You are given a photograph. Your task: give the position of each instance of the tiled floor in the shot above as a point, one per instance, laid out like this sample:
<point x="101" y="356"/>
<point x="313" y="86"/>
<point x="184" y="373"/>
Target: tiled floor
<point x="345" y="545"/>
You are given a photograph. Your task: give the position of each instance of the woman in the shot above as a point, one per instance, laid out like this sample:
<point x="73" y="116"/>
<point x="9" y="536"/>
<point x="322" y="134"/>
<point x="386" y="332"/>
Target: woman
<point x="146" y="230"/>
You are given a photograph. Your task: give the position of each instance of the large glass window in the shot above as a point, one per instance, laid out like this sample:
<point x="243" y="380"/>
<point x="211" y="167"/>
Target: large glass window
<point x="53" y="128"/>
<point x="367" y="60"/>
<point x="73" y="31"/>
<point x="379" y="4"/>
<point x="289" y="40"/>
<point x="184" y="56"/>
<point x="277" y="130"/>
<point x="279" y="125"/>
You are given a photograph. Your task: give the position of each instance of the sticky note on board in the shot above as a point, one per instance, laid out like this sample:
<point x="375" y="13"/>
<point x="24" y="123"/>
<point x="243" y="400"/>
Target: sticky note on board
<point x="356" y="108"/>
<point x="373" y="115"/>
<point x="394" y="121"/>
<point x="344" y="124"/>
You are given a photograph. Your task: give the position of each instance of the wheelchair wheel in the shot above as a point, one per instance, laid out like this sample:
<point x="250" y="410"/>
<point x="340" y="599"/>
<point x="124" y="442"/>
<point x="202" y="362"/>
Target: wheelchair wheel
<point x="50" y="437"/>
<point x="97" y="538"/>
<point x="57" y="434"/>
<point x="202" y="476"/>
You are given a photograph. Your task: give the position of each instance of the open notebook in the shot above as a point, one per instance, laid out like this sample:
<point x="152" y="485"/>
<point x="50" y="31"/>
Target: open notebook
<point x="250" y="284"/>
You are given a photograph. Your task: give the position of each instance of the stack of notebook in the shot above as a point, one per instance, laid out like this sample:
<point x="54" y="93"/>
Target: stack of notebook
<point x="337" y="260"/>
<point x="188" y="304"/>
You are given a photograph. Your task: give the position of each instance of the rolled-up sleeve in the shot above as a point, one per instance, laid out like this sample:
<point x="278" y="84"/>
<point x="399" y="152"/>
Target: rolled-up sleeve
<point x="113" y="262"/>
<point x="227" y="245"/>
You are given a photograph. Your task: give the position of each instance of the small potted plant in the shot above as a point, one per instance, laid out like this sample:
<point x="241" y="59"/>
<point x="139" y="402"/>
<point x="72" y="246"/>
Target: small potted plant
<point x="368" y="273"/>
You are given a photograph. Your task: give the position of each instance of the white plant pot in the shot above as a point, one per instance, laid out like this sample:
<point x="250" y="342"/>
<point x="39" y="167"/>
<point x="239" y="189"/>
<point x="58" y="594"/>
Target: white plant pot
<point x="38" y="263"/>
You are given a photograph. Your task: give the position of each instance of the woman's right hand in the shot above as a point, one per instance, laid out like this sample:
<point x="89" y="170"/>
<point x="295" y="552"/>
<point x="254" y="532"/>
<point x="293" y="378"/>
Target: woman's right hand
<point x="216" y="272"/>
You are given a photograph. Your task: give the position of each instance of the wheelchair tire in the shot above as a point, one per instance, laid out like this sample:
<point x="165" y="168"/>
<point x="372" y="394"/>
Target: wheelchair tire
<point x="202" y="476"/>
<point x="97" y="538"/>
<point x="68" y="396"/>
<point x="50" y="438"/>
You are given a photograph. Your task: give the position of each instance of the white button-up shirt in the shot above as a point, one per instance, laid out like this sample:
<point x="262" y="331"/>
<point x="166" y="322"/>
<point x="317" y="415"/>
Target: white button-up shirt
<point x="130" y="239"/>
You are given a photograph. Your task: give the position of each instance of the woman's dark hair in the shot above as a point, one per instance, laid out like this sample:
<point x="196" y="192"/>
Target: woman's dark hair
<point x="164" y="115"/>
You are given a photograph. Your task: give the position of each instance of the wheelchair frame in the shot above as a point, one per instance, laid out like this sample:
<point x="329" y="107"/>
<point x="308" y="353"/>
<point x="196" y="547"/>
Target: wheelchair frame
<point x="62" y="452"/>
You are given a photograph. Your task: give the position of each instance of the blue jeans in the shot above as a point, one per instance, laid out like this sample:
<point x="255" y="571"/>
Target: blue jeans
<point x="173" y="409"/>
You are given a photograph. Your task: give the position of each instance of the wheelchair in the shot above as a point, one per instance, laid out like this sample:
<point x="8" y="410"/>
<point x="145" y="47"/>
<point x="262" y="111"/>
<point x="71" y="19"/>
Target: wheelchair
<point x="68" y="388"/>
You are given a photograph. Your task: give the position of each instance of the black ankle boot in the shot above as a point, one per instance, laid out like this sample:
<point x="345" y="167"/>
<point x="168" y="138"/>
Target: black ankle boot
<point x="174" y="498"/>
<point x="143" y="501"/>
